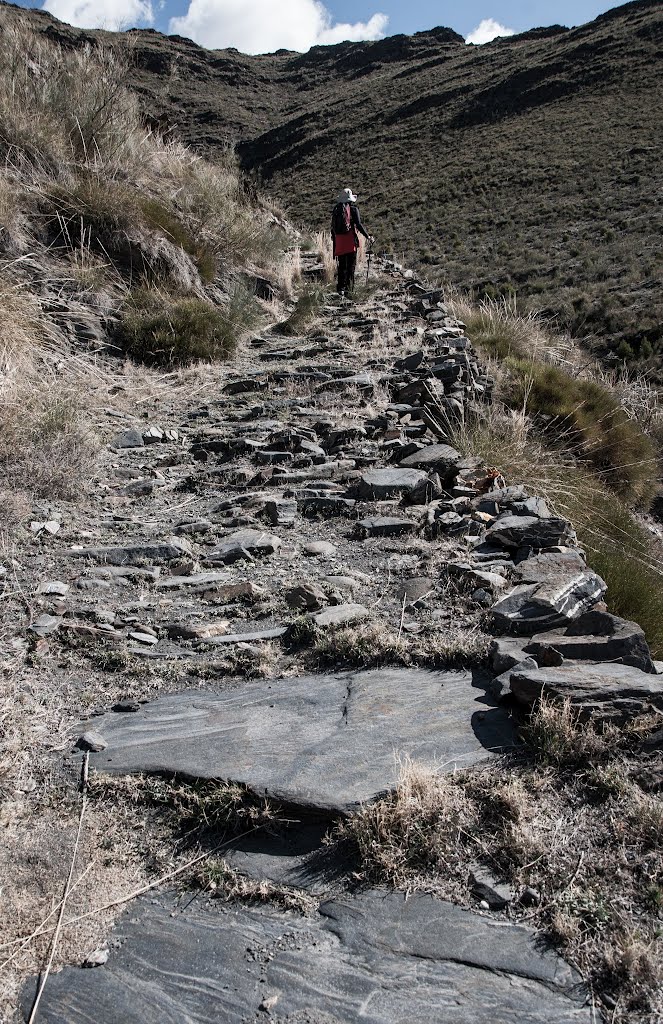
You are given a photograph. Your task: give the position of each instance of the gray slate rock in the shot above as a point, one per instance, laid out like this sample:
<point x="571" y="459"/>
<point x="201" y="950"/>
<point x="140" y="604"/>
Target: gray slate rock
<point x="377" y="957"/>
<point x="340" y="615"/>
<point x="134" y="554"/>
<point x="613" y="693"/>
<point x="326" y="507"/>
<point x="319" y="548"/>
<point x="281" y="511"/>
<point x="244" y="544"/>
<point x="597" y="637"/>
<point x="536" y="607"/>
<point x="306" y="596"/>
<point x="319" y="742"/>
<point x="415" y="590"/>
<point x="45" y="624"/>
<point x="384" y="526"/>
<point x="438" y="458"/>
<point x="53" y="588"/>
<point x="377" y="484"/>
<point x="128" y="439"/>
<point x="92" y="741"/>
<point x="530" y="532"/>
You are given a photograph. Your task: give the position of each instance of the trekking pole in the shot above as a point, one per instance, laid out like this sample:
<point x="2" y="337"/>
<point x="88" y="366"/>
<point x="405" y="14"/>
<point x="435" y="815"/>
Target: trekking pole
<point x="368" y="265"/>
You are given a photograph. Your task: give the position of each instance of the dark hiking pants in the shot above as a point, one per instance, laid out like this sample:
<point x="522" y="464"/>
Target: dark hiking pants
<point x="346" y="272"/>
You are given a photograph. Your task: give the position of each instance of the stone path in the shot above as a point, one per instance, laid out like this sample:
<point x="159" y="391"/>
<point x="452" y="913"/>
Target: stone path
<point x="313" y="488"/>
<point x="377" y="957"/>
<point x="327" y="743"/>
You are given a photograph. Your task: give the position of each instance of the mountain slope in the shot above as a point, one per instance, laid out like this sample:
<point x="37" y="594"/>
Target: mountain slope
<point x="529" y="164"/>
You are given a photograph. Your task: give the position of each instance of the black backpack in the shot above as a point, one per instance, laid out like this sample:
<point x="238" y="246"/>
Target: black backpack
<point x="342" y="219"/>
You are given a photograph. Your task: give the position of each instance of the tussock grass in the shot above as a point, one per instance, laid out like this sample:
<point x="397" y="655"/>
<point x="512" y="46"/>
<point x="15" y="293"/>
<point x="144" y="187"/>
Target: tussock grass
<point x="46" y="449"/>
<point x="175" y="332"/>
<point x="322" y="245"/>
<point x="557" y="738"/>
<point x="419" y="828"/>
<point x="580" y="409"/>
<point x="585" y="417"/>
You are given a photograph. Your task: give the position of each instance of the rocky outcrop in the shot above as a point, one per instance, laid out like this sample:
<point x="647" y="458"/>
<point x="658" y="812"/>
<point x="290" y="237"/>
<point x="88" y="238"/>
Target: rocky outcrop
<point x="377" y="957"/>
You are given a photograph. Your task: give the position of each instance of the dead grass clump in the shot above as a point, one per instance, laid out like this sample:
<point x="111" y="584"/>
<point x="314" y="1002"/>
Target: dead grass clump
<point x="372" y="645"/>
<point x="46" y="447"/>
<point x="164" y="332"/>
<point x="420" y="828"/>
<point x="498" y="328"/>
<point x="556" y="737"/>
<point x="215" y="876"/>
<point x="290" y="271"/>
<point x="196" y="807"/>
<point x="308" y="304"/>
<point x="322" y="245"/>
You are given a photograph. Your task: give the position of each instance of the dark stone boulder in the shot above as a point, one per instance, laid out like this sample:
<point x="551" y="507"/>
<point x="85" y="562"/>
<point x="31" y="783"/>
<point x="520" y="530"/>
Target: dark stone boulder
<point x="243" y="545"/>
<point x="559" y="588"/>
<point x="320" y="743"/>
<point x="598" y="637"/>
<point x="513" y="531"/>
<point x="434" y="458"/>
<point x="384" y="526"/>
<point x="607" y="693"/>
<point x="376" y="484"/>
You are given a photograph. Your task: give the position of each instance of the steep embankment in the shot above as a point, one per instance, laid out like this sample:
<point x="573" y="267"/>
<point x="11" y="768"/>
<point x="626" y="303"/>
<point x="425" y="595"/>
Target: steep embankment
<point x="530" y="164"/>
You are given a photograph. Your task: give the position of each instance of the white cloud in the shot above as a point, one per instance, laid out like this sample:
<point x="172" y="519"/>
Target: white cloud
<point x="113" y="15"/>
<point x="487" y="30"/>
<point x="262" y="26"/>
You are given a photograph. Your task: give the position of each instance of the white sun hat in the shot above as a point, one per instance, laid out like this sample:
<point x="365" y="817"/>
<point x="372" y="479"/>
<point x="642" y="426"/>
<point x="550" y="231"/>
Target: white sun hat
<point x="346" y="196"/>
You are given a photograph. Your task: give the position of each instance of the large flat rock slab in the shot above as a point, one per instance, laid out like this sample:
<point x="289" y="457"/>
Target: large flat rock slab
<point x="378" y="958"/>
<point x="324" y="743"/>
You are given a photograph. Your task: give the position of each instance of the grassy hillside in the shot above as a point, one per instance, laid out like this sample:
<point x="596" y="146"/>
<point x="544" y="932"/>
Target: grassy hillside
<point x="114" y="242"/>
<point x="531" y="163"/>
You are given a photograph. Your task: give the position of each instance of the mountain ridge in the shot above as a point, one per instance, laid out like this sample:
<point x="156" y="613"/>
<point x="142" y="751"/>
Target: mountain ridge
<point x="519" y="166"/>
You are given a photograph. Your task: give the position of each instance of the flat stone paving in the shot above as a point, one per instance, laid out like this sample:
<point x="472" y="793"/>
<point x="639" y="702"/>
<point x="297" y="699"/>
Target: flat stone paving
<point x="323" y="742"/>
<point x="377" y="957"/>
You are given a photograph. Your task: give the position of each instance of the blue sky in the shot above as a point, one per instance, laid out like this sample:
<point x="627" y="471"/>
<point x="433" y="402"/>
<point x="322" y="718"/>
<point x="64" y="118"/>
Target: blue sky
<point x="258" y="26"/>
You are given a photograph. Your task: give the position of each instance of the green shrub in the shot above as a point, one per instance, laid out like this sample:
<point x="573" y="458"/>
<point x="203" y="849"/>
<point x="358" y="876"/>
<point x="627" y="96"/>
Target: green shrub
<point x="174" y="332"/>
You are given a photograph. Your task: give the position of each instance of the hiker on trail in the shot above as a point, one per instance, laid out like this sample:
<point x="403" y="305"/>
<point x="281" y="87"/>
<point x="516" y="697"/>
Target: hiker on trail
<point x="346" y="226"/>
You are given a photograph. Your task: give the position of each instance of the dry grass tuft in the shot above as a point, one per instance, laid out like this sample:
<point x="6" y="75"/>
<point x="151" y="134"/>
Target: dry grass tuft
<point x="557" y="737"/>
<point x="372" y="645"/>
<point x="417" y="829"/>
<point x="215" y="876"/>
<point x="322" y="245"/>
